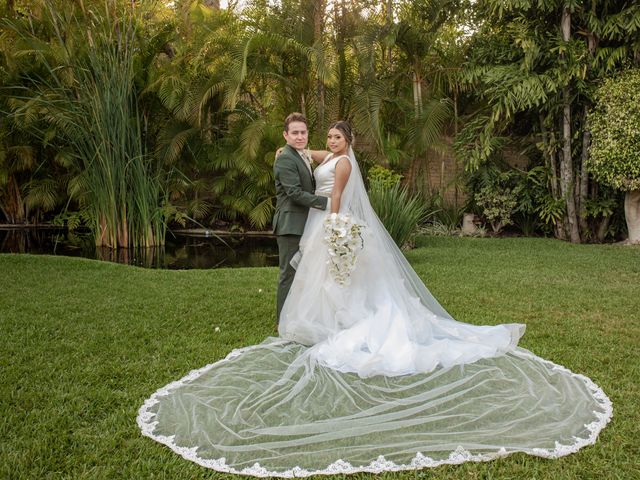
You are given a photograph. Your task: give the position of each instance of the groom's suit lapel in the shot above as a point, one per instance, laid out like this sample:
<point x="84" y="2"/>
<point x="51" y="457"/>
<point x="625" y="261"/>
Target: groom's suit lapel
<point x="302" y="161"/>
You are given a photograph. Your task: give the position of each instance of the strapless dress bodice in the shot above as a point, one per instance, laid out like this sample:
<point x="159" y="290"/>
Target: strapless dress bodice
<point x="325" y="175"/>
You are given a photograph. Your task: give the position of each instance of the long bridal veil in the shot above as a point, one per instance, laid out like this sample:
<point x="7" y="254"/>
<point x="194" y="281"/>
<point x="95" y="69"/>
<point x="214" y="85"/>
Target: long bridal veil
<point x="385" y="322"/>
<point x="373" y="400"/>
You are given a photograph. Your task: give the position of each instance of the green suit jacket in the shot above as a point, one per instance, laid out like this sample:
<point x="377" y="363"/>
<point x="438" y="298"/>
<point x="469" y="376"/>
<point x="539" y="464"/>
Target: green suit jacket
<point x="294" y="193"/>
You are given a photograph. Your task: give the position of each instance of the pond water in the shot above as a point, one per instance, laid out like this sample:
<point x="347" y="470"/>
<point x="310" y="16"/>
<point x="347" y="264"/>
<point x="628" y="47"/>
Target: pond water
<point x="181" y="251"/>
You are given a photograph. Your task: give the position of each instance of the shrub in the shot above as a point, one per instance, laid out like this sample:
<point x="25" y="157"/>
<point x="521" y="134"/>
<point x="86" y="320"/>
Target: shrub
<point x="382" y="176"/>
<point x="445" y="216"/>
<point x="614" y="155"/>
<point x="615" y="133"/>
<point x="399" y="211"/>
<point x="497" y="205"/>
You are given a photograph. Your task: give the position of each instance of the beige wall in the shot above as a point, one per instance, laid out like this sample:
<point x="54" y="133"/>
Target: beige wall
<point x="441" y="172"/>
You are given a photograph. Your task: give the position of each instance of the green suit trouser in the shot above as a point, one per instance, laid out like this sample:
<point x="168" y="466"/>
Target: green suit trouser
<point x="288" y="245"/>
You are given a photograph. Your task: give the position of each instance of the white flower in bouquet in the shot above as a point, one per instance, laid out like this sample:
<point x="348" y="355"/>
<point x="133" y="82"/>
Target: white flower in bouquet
<point x="344" y="239"/>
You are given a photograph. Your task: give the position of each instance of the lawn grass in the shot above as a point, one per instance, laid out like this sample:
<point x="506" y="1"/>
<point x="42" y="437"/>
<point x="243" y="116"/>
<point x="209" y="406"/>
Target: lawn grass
<point x="84" y="343"/>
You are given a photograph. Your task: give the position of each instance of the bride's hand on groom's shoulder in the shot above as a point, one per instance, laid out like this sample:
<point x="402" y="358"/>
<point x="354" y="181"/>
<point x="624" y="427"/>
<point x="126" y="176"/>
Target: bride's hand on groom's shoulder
<point x="279" y="151"/>
<point x="318" y="156"/>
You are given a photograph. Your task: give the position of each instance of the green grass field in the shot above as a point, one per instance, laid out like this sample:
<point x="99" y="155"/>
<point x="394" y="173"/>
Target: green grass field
<point x="84" y="343"/>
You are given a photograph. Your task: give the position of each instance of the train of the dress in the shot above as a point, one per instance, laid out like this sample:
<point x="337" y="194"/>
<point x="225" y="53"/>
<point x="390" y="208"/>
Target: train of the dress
<point x="271" y="410"/>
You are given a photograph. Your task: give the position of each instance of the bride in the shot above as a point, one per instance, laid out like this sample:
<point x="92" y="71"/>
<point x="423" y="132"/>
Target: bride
<point x="370" y="373"/>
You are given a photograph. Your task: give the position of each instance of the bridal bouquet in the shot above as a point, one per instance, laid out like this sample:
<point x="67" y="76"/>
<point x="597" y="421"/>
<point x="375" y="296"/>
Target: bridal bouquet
<point x="344" y="238"/>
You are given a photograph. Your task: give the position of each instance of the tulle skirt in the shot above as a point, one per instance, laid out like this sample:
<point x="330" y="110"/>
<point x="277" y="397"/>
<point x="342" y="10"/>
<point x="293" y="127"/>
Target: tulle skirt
<point x="375" y="325"/>
<point x="272" y="410"/>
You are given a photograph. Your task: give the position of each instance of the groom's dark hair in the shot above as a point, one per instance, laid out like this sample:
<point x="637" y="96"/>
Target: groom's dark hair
<point x="294" y="117"/>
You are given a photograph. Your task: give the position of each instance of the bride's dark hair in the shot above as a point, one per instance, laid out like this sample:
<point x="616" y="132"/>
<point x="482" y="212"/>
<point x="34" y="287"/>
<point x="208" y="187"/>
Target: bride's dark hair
<point x="345" y="129"/>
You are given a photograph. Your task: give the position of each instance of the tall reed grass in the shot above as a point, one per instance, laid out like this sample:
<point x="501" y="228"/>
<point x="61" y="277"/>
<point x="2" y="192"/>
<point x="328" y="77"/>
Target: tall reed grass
<point x="399" y="211"/>
<point x="87" y="93"/>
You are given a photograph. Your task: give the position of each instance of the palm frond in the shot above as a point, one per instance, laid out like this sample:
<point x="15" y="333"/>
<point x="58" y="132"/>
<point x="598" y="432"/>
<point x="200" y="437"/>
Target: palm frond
<point x="43" y="194"/>
<point x="172" y="141"/>
<point x="261" y="215"/>
<point x="427" y="128"/>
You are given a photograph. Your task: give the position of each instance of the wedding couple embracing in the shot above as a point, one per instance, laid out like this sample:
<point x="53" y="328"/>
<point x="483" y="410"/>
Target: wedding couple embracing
<point x="369" y="372"/>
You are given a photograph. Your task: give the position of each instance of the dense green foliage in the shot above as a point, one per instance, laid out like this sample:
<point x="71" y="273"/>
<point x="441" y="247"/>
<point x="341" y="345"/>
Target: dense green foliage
<point x="214" y="86"/>
<point x="382" y="176"/>
<point x="210" y="88"/>
<point x="79" y="358"/>
<point x="615" y="133"/>
<point x="535" y="66"/>
<point x="82" y="103"/>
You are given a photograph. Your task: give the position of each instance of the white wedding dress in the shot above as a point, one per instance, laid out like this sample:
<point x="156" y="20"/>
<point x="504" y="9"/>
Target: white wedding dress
<point x="374" y="376"/>
<point x="378" y="325"/>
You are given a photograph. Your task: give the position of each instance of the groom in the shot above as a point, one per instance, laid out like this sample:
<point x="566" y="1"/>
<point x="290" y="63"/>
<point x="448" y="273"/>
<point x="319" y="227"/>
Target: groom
<point x="294" y="196"/>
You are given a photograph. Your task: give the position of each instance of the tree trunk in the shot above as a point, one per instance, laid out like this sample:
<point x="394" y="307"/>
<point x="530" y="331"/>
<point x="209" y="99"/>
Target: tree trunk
<point x="5" y="213"/>
<point x="10" y="9"/>
<point x="582" y="182"/>
<point x="549" y="156"/>
<point x="416" y="108"/>
<point x="601" y="229"/>
<point x="339" y="22"/>
<point x="420" y="92"/>
<point x="321" y="115"/>
<point x="566" y="169"/>
<point x="389" y="23"/>
<point x="566" y="164"/>
<point x="582" y="179"/>
<point x="455" y="134"/>
<point x="632" y="215"/>
<point x="14" y="205"/>
<point x="553" y="159"/>
<point x="417" y="92"/>
<point x="549" y="140"/>
<point x="318" y="28"/>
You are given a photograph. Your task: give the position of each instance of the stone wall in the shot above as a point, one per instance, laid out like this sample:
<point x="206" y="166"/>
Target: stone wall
<point x="440" y="172"/>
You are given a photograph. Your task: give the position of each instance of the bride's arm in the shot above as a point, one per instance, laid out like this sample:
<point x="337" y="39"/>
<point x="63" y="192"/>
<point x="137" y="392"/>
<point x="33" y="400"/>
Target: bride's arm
<point x="318" y="156"/>
<point x="343" y="170"/>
